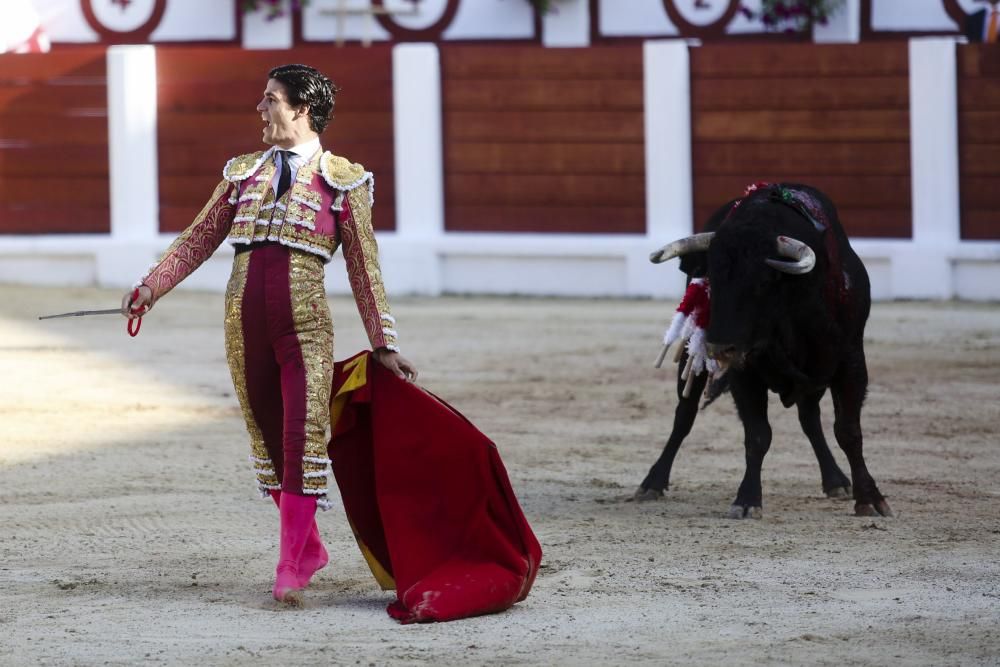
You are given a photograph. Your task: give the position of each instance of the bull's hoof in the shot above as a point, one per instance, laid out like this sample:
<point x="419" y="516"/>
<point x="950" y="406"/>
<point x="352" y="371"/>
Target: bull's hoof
<point x="880" y="508"/>
<point x="883" y="508"/>
<point x="745" y="512"/>
<point x="840" y="493"/>
<point x="642" y="495"/>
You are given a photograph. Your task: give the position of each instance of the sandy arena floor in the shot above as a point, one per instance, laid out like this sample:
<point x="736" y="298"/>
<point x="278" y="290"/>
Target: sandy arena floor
<point x="131" y="532"/>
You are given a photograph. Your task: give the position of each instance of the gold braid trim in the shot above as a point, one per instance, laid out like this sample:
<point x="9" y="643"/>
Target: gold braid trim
<point x="340" y="173"/>
<point x="363" y="270"/>
<point x="195" y="244"/>
<point x="248" y="208"/>
<point x="314" y="331"/>
<point x="242" y="166"/>
<point x="236" y="355"/>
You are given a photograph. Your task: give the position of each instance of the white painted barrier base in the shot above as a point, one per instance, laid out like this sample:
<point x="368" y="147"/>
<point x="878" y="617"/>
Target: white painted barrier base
<point x="521" y="264"/>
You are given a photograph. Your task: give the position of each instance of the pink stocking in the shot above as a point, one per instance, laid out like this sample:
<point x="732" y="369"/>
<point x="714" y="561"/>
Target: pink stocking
<point x="297" y="518"/>
<point x="314" y="556"/>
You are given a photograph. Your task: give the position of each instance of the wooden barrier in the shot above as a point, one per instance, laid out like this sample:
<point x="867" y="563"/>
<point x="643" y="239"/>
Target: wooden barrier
<point x="54" y="143"/>
<point x="206" y="106"/>
<point x="979" y="140"/>
<point x="543" y="140"/>
<point x="535" y="140"/>
<point x="833" y="116"/>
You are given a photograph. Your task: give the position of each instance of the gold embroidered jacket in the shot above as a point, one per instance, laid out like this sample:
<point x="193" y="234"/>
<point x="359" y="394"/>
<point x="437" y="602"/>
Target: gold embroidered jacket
<point x="329" y="205"/>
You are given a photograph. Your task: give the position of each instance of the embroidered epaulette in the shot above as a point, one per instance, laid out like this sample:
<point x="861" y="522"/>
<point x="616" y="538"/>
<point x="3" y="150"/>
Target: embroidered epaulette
<point x="341" y="173"/>
<point x="242" y="166"/>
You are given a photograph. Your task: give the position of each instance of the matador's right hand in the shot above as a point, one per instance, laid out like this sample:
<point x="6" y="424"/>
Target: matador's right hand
<point x="140" y="305"/>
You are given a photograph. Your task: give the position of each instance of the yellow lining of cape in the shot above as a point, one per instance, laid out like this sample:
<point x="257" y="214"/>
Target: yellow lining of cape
<point x="384" y="579"/>
<point x="357" y="379"/>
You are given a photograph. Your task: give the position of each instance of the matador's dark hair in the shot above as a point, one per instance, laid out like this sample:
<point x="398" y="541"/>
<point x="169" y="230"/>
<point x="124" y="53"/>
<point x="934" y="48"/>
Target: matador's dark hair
<point x="307" y="85"/>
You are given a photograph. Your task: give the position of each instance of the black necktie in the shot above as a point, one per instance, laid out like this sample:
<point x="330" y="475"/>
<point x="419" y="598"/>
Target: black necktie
<point x="286" y="172"/>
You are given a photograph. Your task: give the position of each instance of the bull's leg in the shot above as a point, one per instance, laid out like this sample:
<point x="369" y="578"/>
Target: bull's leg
<point x="848" y="390"/>
<point x="658" y="479"/>
<point x="835" y="482"/>
<point x="750" y="395"/>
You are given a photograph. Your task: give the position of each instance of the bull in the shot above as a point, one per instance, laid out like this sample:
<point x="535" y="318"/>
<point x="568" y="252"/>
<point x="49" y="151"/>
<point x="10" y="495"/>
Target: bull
<point x="835" y="484"/>
<point x="789" y="303"/>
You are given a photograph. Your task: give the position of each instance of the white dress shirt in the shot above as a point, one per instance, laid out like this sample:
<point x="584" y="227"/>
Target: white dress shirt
<point x="301" y="155"/>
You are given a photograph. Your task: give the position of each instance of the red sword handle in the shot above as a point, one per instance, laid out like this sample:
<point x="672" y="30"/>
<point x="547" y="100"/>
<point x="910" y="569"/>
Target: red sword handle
<point x="138" y="320"/>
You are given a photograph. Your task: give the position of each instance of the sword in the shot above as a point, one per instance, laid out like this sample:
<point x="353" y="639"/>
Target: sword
<point x="82" y="313"/>
<point x="107" y="311"/>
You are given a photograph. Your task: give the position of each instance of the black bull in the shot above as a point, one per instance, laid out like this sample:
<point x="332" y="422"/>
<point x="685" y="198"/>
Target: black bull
<point x="789" y="302"/>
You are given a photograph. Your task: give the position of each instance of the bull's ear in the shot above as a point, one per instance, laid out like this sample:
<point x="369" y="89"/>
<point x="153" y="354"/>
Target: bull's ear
<point x="802" y="256"/>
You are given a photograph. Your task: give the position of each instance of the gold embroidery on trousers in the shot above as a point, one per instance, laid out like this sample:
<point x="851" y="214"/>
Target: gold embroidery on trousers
<point x="236" y="355"/>
<point x="314" y="330"/>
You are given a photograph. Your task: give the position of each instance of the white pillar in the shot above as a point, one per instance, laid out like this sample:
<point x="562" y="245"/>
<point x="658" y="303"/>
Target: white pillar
<point x="567" y="25"/>
<point x="844" y="27"/>
<point x="926" y="271"/>
<point x="132" y="157"/>
<point x="669" y="192"/>
<point x="416" y="100"/>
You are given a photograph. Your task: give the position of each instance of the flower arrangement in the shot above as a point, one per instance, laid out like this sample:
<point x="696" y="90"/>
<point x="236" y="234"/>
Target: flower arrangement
<point x="274" y="8"/>
<point x="278" y="8"/>
<point x="793" y="15"/>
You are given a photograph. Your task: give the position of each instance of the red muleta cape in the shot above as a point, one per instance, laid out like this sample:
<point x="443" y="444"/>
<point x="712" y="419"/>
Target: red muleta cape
<point x="427" y="497"/>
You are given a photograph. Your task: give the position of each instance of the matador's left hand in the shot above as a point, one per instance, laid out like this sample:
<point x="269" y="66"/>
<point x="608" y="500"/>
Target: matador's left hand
<point x="400" y="366"/>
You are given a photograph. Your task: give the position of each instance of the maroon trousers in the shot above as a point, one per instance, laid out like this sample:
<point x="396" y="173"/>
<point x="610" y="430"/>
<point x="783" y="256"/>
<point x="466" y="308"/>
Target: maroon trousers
<point x="279" y="343"/>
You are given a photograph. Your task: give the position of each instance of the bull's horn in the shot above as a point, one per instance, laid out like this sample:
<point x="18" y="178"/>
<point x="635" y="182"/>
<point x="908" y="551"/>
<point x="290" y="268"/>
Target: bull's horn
<point x="696" y="243"/>
<point x="805" y="258"/>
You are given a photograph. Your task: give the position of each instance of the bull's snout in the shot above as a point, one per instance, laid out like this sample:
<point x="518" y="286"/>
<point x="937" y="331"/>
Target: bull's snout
<point x="724" y="353"/>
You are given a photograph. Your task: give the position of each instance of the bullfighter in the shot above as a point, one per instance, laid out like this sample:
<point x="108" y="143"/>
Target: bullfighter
<point x="286" y="210"/>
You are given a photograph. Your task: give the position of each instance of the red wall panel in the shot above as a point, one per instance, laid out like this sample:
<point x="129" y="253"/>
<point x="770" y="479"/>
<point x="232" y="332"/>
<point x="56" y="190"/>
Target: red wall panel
<point x="832" y="116"/>
<point x="543" y="140"/>
<point x="979" y="140"/>
<point x="54" y="143"/>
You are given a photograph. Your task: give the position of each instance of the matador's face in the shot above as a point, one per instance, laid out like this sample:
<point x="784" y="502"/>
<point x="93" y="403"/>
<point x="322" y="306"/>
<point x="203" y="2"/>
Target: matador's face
<point x="284" y="125"/>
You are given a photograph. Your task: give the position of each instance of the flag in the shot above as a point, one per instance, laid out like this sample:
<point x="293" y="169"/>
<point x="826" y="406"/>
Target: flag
<point x="21" y="30"/>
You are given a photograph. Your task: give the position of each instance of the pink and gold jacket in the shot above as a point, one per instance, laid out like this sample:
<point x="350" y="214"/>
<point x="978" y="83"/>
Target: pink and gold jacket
<point x="328" y="206"/>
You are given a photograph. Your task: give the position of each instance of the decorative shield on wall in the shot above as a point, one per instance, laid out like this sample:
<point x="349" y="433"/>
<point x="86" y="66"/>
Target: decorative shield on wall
<point x="123" y="21"/>
<point x="417" y="20"/>
<point x="701" y="18"/>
